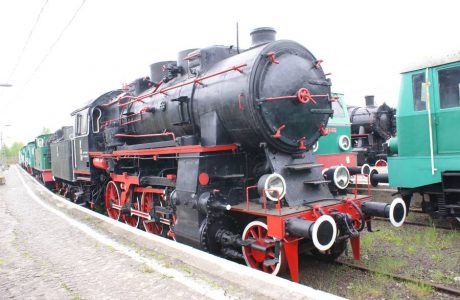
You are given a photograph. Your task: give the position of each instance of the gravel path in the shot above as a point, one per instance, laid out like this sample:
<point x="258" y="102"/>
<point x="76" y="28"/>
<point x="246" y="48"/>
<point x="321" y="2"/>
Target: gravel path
<point x="43" y="257"/>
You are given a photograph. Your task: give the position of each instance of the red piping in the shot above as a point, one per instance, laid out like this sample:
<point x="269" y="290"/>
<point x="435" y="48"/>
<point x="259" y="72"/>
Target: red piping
<point x="166" y="150"/>
<point x="163" y="91"/>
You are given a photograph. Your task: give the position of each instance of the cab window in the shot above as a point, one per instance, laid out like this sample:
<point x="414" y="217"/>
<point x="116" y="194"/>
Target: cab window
<point x="449" y="83"/>
<point x="338" y="109"/>
<point x="81" y="124"/>
<point x="40" y="142"/>
<point x="97" y="114"/>
<point x="417" y="82"/>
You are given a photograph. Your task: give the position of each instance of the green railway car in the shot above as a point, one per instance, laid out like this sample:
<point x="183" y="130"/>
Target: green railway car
<point x="42" y="154"/>
<point x="29" y="157"/>
<point x="335" y="148"/>
<point x="21" y="154"/>
<point x="425" y="156"/>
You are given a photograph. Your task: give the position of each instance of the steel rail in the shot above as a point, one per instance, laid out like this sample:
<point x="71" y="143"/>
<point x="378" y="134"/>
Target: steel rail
<point x="438" y="287"/>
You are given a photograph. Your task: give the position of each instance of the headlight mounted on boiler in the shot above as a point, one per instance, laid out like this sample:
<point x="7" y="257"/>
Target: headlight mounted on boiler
<point x="273" y="186"/>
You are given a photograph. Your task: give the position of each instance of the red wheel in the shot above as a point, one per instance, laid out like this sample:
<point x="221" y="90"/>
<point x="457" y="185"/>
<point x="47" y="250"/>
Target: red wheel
<point x="112" y="195"/>
<point x="148" y="201"/>
<point x="132" y="220"/>
<point x="257" y="230"/>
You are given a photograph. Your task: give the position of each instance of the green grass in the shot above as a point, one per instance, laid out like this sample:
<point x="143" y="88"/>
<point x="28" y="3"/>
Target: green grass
<point x="148" y="269"/>
<point x="437" y="257"/>
<point x="367" y="241"/>
<point x="440" y="277"/>
<point x="411" y="249"/>
<point x="421" y="291"/>
<point x="74" y="295"/>
<point x="365" y="290"/>
<point x="390" y="236"/>
<point x="2" y="261"/>
<point x="388" y="265"/>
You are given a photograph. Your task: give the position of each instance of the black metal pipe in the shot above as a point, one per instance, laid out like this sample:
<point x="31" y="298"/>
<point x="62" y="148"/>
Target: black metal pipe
<point x="354" y="170"/>
<point x="377" y="178"/>
<point x="376" y="209"/>
<point x="299" y="227"/>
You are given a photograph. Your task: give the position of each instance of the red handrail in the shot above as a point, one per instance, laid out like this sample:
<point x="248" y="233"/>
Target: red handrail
<point x="163" y="91"/>
<point x="171" y="134"/>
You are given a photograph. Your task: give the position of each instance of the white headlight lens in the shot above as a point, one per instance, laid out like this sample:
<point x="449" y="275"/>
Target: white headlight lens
<point x="275" y="186"/>
<point x="341" y="177"/>
<point x="344" y="142"/>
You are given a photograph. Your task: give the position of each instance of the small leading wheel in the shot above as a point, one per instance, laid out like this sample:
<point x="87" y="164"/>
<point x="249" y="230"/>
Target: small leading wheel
<point x="257" y="230"/>
<point x="148" y="201"/>
<point x="132" y="220"/>
<point x="112" y="195"/>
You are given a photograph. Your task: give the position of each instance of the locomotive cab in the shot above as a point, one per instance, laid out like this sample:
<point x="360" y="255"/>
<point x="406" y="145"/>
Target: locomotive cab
<point x="428" y="113"/>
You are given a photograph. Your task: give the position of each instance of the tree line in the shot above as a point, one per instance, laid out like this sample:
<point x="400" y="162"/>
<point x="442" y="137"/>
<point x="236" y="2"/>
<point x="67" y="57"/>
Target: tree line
<point x="11" y="153"/>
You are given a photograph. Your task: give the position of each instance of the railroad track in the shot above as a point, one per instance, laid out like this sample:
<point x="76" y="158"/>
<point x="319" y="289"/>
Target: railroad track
<point x="418" y="224"/>
<point x="438" y="287"/>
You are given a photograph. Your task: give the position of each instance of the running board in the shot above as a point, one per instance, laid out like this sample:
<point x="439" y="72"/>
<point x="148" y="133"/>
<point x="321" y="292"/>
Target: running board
<point x="300" y="167"/>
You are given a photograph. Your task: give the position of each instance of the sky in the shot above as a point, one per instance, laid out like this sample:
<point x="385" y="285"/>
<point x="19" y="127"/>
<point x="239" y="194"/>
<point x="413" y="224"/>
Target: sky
<point x="364" y="45"/>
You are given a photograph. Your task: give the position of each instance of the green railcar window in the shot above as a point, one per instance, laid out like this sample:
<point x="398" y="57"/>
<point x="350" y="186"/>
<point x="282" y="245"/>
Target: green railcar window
<point x="417" y="81"/>
<point x="449" y="92"/>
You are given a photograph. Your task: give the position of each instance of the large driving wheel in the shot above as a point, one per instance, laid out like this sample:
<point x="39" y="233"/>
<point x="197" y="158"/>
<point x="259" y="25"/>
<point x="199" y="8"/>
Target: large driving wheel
<point x="112" y="195"/>
<point x="132" y="220"/>
<point x="148" y="201"/>
<point x="254" y="258"/>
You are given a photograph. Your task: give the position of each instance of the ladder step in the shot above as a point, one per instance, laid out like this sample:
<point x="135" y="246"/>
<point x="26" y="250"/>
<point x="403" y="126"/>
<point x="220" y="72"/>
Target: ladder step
<point x="83" y="178"/>
<point x="451" y="190"/>
<point x="299" y="167"/>
<point x="316" y="182"/>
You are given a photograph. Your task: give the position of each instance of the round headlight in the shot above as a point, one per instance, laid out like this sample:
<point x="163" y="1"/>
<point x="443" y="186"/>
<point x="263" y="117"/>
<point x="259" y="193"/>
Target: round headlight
<point x="341" y="177"/>
<point x="344" y="142"/>
<point x="273" y="185"/>
<point x="315" y="146"/>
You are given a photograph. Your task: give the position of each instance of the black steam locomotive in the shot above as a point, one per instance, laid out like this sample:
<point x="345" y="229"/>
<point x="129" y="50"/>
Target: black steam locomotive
<point x="213" y="150"/>
<point x="371" y="127"/>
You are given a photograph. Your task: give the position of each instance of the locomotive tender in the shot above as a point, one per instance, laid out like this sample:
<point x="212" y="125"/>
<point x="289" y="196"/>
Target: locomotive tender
<point x="214" y="151"/>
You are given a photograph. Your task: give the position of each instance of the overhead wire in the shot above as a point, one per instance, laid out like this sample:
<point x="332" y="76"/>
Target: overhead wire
<point x="48" y="53"/>
<point x="34" y="26"/>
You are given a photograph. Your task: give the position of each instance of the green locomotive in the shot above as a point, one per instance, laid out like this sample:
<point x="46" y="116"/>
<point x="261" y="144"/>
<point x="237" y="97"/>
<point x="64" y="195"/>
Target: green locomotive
<point x="335" y="148"/>
<point x="425" y="156"/>
<point x="37" y="158"/>
<point x="29" y="157"/>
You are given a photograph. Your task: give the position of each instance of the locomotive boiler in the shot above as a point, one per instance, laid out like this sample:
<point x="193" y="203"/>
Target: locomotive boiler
<point x="371" y="127"/>
<point x="214" y="150"/>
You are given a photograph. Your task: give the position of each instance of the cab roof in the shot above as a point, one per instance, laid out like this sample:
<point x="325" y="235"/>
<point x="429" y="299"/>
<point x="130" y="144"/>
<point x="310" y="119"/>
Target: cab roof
<point x="432" y="61"/>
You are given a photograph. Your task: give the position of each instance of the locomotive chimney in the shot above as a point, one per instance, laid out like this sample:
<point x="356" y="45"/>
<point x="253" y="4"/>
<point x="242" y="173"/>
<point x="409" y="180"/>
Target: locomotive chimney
<point x="262" y="35"/>
<point x="369" y="101"/>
